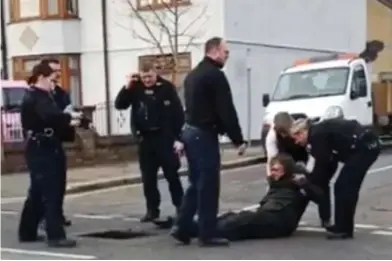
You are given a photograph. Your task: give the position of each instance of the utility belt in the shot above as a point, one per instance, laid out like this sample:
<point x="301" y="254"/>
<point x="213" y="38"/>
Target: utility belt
<point x="45" y="137"/>
<point x="365" y="139"/>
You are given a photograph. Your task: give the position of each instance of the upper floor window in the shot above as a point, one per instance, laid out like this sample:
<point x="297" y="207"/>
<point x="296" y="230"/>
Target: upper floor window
<point x="22" y="10"/>
<point x="160" y="4"/>
<point x="70" y="75"/>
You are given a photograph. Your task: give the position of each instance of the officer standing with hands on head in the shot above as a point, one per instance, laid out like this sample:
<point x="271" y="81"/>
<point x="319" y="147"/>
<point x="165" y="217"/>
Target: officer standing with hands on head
<point x="43" y="125"/>
<point x="355" y="146"/>
<point x="209" y="112"/>
<point x="157" y="118"/>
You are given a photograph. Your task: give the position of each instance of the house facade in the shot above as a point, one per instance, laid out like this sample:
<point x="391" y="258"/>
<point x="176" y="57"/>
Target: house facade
<point x="98" y="45"/>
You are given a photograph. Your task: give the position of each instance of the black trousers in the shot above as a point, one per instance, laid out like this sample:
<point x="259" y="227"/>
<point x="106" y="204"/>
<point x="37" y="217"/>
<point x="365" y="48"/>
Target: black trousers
<point x="44" y="198"/>
<point x="156" y="151"/>
<point x="324" y="207"/>
<point x="62" y="169"/>
<point x="349" y="183"/>
<point x="202" y="194"/>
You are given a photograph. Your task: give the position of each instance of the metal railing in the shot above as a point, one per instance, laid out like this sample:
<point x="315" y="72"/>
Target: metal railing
<point x="120" y="120"/>
<point x="11" y="127"/>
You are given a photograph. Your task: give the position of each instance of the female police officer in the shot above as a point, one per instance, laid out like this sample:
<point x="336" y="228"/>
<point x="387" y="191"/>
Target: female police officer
<point x="355" y="146"/>
<point x="42" y="123"/>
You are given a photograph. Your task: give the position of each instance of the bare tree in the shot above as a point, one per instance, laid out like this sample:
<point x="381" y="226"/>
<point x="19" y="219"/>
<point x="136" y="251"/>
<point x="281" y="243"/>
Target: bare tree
<point x="175" y="25"/>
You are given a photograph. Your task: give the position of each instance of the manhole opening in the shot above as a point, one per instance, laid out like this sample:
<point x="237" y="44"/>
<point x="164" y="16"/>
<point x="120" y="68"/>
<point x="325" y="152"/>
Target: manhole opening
<point x="117" y="234"/>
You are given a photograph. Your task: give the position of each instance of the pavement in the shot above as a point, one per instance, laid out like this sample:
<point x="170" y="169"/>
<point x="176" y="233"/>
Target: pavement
<point x="15" y="186"/>
<point x="119" y="208"/>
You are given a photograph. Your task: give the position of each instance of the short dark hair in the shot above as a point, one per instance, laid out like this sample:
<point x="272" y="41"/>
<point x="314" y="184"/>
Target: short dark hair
<point x="283" y="122"/>
<point x="148" y="66"/>
<point x="50" y="60"/>
<point x="212" y="43"/>
<point x="38" y="70"/>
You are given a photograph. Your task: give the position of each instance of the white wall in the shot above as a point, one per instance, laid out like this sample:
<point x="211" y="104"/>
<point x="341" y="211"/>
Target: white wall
<point x="315" y="24"/>
<point x="265" y="63"/>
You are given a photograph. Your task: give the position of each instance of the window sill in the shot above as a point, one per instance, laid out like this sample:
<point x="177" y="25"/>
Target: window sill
<point x="50" y="18"/>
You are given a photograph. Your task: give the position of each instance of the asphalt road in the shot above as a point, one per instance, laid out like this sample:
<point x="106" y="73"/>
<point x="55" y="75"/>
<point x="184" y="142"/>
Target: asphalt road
<point x="120" y="208"/>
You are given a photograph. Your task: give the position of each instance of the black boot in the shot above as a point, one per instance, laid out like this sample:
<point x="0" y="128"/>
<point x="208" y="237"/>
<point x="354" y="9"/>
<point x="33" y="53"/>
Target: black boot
<point x="334" y="234"/>
<point x="180" y="236"/>
<point x="150" y="216"/>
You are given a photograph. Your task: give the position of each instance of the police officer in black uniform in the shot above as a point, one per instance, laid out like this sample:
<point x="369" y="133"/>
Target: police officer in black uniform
<point x="157" y="118"/>
<point x="43" y="123"/>
<point x="355" y="146"/>
<point x="63" y="101"/>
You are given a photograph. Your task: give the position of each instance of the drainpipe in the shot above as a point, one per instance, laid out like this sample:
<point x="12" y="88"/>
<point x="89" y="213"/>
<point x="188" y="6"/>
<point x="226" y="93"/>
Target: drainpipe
<point x="4" y="51"/>
<point x="106" y="66"/>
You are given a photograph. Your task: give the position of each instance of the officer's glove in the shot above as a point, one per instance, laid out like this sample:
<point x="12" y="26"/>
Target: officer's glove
<point x="300" y="179"/>
<point x="75" y="122"/>
<point x="178" y="147"/>
<point x="76" y="115"/>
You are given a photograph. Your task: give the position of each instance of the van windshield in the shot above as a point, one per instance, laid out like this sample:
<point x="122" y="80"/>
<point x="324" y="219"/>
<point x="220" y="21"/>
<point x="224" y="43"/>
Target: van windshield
<point x="12" y="97"/>
<point x="311" y="84"/>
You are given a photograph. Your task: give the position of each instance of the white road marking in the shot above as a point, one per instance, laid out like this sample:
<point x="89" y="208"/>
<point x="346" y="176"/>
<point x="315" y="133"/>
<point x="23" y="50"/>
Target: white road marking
<point x="45" y="253"/>
<point x="380" y="169"/>
<point x="9" y="212"/>
<point x="366" y="226"/>
<point x="313" y="229"/>
<point x="100" y="217"/>
<point x="382" y="233"/>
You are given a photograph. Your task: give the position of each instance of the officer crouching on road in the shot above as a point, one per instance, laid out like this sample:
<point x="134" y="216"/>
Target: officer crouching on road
<point x="157" y="118"/>
<point x="355" y="146"/>
<point x="43" y="123"/>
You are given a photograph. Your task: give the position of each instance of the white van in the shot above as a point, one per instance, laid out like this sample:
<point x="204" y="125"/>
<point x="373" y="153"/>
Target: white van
<point x="327" y="87"/>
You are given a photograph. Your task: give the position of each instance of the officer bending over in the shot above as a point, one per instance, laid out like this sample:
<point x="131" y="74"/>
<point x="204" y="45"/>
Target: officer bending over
<point x="156" y="118"/>
<point x="355" y="146"/>
<point x="43" y="123"/>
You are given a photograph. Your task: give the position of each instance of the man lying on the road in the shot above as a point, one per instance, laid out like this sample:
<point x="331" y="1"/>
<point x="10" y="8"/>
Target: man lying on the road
<point x="279" y="212"/>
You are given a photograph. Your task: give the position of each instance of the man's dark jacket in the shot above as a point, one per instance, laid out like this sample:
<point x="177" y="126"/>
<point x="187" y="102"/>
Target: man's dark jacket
<point x="167" y="110"/>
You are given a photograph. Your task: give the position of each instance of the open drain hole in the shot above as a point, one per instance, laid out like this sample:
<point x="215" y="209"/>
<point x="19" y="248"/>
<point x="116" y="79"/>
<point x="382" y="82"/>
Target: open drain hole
<point x="117" y="234"/>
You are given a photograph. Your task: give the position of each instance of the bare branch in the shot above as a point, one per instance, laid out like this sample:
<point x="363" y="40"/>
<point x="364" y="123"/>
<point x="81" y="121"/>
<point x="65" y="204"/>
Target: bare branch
<point x="163" y="26"/>
<point x="146" y="26"/>
<point x="197" y="18"/>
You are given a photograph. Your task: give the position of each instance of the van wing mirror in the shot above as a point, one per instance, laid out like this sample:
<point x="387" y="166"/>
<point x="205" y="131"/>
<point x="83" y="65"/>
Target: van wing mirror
<point x="266" y="99"/>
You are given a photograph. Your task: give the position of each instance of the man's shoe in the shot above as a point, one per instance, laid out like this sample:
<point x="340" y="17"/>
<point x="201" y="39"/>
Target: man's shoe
<point x="214" y="242"/>
<point x="62" y="243"/>
<point x="339" y="235"/>
<point x="38" y="238"/>
<point x="150" y="216"/>
<point x="179" y="236"/>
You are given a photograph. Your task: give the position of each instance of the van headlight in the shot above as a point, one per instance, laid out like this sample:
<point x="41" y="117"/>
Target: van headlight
<point x="333" y="112"/>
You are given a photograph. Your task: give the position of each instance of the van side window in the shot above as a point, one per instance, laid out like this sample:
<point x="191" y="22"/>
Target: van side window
<point x="359" y="84"/>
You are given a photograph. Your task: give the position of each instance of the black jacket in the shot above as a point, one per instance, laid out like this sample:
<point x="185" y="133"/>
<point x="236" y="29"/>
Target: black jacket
<point x="209" y="102"/>
<point x="333" y="137"/>
<point x="157" y="107"/>
<point x="62" y="99"/>
<point x="39" y="111"/>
